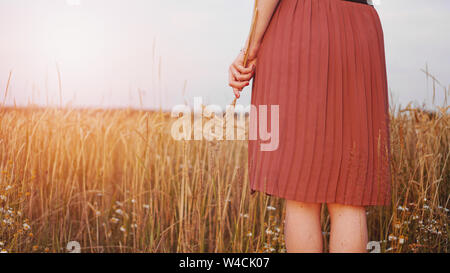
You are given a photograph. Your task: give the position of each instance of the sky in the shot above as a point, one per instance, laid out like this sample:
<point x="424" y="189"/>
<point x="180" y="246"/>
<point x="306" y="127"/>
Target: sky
<point x="159" y="53"/>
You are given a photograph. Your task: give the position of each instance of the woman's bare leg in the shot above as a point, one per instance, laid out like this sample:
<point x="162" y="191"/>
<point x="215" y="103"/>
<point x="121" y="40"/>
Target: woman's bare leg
<point x="303" y="232"/>
<point x="348" y="229"/>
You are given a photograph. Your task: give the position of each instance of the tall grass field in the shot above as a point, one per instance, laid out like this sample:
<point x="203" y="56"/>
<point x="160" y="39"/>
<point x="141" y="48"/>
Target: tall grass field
<point x="116" y="181"/>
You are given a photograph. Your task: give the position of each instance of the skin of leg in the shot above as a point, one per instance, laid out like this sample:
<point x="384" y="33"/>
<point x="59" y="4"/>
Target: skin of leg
<point x="303" y="233"/>
<point x="348" y="229"/>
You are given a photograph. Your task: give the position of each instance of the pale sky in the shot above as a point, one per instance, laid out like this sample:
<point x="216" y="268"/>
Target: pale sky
<point x="110" y="51"/>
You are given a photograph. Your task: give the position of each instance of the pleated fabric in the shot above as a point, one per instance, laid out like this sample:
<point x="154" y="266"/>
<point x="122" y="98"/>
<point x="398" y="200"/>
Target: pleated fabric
<point x="323" y="63"/>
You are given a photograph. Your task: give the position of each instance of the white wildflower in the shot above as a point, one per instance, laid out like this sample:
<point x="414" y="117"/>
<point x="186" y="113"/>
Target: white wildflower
<point x="119" y="211"/>
<point x="392" y="238"/>
<point x="269" y="232"/>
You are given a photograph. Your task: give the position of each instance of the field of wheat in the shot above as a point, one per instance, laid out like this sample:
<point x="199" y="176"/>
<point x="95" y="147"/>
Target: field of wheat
<point x="116" y="181"/>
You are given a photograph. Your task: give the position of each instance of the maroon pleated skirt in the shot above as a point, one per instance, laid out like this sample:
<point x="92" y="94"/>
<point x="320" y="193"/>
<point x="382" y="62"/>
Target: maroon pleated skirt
<point x="322" y="62"/>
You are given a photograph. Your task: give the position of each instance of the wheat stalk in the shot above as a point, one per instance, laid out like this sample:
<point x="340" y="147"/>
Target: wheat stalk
<point x="250" y="40"/>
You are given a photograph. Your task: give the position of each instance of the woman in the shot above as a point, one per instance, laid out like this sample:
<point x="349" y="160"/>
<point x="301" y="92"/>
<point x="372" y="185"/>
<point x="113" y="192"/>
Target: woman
<point x="323" y="63"/>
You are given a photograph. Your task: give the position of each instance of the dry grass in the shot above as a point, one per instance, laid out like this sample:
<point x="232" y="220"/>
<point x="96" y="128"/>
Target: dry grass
<point x="116" y="181"/>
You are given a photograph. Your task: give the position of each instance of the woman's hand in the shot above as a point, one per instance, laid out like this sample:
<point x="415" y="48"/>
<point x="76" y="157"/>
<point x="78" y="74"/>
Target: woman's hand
<point x="240" y="76"/>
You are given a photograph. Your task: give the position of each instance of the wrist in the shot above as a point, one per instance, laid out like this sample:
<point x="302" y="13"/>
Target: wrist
<point x="253" y="51"/>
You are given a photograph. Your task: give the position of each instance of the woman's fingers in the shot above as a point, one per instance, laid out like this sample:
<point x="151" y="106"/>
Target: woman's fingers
<point x="239" y="85"/>
<point x="243" y="70"/>
<point x="235" y="73"/>
<point x="242" y="76"/>
<point x="239" y="76"/>
<point x="236" y="93"/>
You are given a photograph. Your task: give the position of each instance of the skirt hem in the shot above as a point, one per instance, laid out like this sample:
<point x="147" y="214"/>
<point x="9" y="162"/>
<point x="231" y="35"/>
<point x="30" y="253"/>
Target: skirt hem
<point x="268" y="193"/>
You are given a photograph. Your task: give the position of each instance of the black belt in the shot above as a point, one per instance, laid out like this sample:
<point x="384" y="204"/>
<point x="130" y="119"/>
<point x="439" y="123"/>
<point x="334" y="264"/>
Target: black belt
<point x="360" y="1"/>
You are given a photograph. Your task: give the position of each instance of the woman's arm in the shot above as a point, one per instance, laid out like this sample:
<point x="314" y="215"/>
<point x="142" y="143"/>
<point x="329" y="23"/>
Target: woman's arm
<point x="240" y="76"/>
<point x="266" y="9"/>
